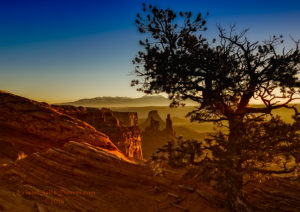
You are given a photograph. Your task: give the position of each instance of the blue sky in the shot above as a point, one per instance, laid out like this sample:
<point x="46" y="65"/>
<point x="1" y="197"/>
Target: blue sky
<point x="66" y="50"/>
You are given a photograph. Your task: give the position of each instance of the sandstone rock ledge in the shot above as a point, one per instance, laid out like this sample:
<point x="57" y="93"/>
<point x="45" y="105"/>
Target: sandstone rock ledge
<point x="31" y="126"/>
<point x="75" y="177"/>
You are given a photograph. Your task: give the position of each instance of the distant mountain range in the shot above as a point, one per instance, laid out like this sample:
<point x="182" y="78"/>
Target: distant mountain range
<point x="121" y="101"/>
<point x="156" y="100"/>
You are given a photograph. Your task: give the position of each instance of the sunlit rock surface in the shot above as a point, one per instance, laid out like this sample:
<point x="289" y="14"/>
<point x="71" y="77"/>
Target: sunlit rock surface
<point x="82" y="177"/>
<point x="121" y="127"/>
<point x="27" y="125"/>
<point x="75" y="177"/>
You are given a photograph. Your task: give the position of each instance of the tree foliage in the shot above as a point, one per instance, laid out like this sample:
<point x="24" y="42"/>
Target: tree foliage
<point x="222" y="75"/>
<point x="180" y="153"/>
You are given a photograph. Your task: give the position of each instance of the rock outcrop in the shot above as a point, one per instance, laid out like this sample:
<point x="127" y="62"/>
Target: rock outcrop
<point x="127" y="139"/>
<point x="76" y="177"/>
<point x="29" y="126"/>
<point x="169" y="125"/>
<point x="152" y="136"/>
<point x="153" y="114"/>
<point x="95" y="117"/>
<point x="59" y="124"/>
<point x="153" y="128"/>
<point x="80" y="177"/>
<point x="128" y="119"/>
<point x="121" y="127"/>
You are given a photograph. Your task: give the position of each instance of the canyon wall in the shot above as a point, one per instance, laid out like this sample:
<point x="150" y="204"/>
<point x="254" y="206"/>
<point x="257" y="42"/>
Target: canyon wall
<point x="129" y="119"/>
<point x="121" y="127"/>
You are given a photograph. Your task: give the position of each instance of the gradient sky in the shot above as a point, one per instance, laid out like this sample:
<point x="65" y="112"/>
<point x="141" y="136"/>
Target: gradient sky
<point x="65" y="50"/>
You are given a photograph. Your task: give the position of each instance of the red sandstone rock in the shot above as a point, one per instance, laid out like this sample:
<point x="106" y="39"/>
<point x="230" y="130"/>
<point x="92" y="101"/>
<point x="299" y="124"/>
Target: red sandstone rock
<point x="124" y="133"/>
<point x="39" y="121"/>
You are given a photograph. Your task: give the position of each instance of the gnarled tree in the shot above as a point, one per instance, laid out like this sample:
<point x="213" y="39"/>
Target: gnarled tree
<point x="221" y="75"/>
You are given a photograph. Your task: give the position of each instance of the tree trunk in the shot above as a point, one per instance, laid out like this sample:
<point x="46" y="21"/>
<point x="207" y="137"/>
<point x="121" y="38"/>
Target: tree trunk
<point x="236" y="201"/>
<point x="235" y="133"/>
<point x="235" y="198"/>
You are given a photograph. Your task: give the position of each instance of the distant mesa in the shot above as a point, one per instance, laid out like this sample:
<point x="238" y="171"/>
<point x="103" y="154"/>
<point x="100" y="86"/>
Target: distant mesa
<point x="154" y="128"/>
<point x="153" y="115"/>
